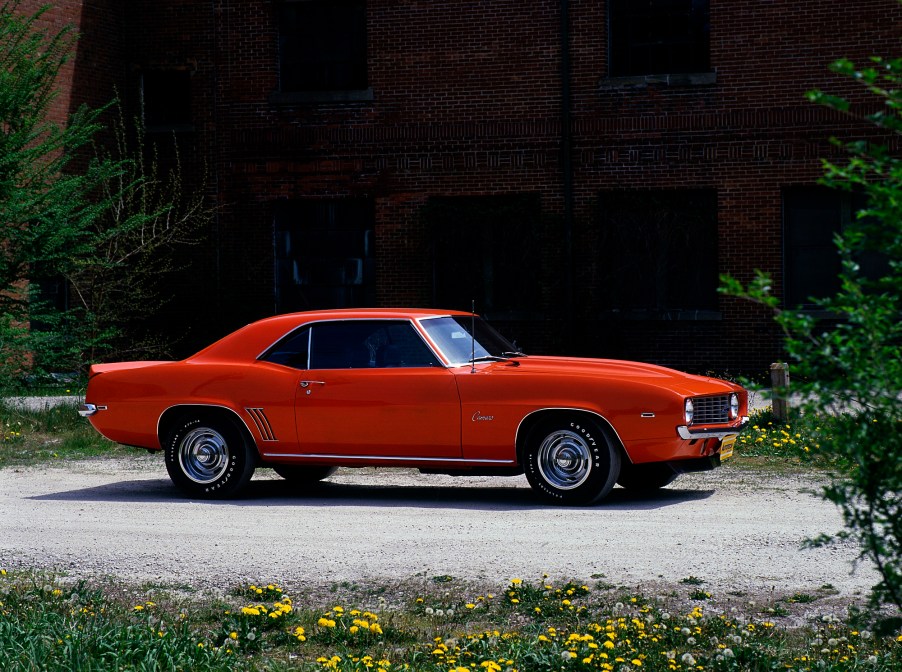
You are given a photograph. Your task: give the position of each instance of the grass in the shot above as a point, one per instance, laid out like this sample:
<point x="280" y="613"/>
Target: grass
<point x="528" y="626"/>
<point x="768" y="441"/>
<point x="47" y="436"/>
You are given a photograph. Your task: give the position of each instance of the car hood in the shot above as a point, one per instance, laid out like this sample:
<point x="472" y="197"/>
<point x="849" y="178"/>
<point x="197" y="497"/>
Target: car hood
<point x="636" y="372"/>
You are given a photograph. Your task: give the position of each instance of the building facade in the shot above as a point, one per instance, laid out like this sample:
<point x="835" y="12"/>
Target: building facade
<point x="581" y="170"/>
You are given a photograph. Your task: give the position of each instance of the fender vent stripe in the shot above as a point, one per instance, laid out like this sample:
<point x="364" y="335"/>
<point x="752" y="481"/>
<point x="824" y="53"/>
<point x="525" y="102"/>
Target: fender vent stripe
<point x="262" y="423"/>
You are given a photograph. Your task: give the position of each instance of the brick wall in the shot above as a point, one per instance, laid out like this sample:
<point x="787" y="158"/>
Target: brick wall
<point x="466" y="101"/>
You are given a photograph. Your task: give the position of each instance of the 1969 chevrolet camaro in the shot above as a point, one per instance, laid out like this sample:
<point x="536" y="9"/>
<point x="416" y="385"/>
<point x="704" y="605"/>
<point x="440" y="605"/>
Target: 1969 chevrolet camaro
<point x="441" y="391"/>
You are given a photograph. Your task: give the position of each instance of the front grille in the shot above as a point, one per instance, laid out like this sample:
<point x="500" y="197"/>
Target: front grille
<point x="711" y="410"/>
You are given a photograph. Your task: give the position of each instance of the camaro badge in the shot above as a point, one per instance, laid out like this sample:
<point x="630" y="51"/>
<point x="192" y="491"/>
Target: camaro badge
<point x="479" y="417"/>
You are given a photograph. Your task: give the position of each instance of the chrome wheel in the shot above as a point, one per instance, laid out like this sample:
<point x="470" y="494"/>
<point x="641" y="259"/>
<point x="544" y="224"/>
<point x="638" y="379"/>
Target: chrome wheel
<point x="564" y="460"/>
<point x="203" y="455"/>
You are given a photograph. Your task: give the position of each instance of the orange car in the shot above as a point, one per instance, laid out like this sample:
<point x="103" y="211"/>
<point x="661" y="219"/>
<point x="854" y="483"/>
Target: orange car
<point x="438" y="390"/>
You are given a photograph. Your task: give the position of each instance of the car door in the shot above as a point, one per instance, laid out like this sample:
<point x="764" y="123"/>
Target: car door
<point x="374" y="388"/>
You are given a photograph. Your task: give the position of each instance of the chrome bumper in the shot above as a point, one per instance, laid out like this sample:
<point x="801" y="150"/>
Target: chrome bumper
<point x="704" y="433"/>
<point x="85" y="410"/>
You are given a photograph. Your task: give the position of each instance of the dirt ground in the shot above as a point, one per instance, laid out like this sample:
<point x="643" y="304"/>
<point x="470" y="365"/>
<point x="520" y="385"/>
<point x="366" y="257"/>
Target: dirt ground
<point x="740" y="532"/>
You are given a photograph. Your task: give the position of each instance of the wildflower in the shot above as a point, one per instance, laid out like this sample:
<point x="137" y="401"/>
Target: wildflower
<point x="470" y="605"/>
<point x="233" y="635"/>
<point x="688" y="659"/>
<point x="516" y="582"/>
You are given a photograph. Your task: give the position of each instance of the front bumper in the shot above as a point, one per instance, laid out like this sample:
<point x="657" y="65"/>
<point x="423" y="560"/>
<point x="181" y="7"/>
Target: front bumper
<point x="686" y="432"/>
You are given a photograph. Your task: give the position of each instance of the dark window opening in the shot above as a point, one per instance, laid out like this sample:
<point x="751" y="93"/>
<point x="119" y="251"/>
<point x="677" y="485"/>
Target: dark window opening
<point x="658" y="252"/>
<point x="166" y="99"/>
<point x="485" y="249"/>
<point x="322" y="45"/>
<point x="812" y="217"/>
<point x="324" y="254"/>
<point x="653" y="37"/>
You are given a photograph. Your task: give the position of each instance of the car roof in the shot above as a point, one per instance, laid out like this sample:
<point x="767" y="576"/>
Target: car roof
<point x="252" y="340"/>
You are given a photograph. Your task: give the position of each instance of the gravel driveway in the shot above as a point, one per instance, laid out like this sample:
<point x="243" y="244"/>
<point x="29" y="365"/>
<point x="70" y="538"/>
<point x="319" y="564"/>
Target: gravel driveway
<point x="734" y="529"/>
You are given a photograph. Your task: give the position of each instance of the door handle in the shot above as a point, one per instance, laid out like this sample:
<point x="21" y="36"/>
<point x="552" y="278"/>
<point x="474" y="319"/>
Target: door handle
<point x="308" y="383"/>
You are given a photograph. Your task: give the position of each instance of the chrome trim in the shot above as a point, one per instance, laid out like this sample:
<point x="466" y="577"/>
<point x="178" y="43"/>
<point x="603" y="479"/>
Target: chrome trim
<point x="685" y="432"/>
<point x="646" y="415"/>
<point x="383" y="458"/>
<point x="86" y="410"/>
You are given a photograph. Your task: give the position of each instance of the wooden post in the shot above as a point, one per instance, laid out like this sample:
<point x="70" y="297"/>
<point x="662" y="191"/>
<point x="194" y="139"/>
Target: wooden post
<point x="779" y="383"/>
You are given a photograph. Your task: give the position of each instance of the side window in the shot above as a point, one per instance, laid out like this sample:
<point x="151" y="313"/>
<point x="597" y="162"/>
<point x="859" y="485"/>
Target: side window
<point x="293" y="350"/>
<point x="368" y="344"/>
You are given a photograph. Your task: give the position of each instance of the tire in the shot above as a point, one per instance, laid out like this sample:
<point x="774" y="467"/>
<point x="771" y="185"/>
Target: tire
<point x="209" y="458"/>
<point x="645" y="477"/>
<point x="570" y="460"/>
<point x="303" y="474"/>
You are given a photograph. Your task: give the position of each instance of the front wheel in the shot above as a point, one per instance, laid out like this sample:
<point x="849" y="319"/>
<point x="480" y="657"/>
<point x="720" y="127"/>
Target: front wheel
<point x="571" y="461"/>
<point x="209" y="457"/>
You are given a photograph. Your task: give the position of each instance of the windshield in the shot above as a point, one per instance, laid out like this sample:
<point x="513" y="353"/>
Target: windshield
<point x="452" y="335"/>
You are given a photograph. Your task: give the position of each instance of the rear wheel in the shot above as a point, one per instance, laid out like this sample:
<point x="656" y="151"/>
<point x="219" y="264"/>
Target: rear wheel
<point x="645" y="477"/>
<point x="302" y="474"/>
<point x="570" y="460"/>
<point x="209" y="457"/>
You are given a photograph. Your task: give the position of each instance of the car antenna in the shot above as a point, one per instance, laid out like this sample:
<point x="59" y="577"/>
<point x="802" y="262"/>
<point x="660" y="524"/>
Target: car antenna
<point x="472" y="335"/>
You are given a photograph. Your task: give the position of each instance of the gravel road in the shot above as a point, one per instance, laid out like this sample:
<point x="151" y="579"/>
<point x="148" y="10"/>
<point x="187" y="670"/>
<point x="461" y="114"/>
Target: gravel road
<point x="735" y="529"/>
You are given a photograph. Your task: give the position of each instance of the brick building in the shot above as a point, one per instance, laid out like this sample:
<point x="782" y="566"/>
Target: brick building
<point x="583" y="170"/>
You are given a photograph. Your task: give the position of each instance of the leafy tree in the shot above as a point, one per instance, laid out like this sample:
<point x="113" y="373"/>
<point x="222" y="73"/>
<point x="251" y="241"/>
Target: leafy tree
<point x="104" y="220"/>
<point x="850" y="364"/>
<point x="46" y="204"/>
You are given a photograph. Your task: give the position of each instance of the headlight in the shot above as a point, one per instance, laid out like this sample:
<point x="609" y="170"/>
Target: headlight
<point x="734" y="406"/>
<point x="689" y="411"/>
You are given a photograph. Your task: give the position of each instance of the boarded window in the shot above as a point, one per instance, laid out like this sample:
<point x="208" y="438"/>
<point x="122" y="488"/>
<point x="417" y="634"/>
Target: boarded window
<point x="653" y="37"/>
<point x="658" y="252"/>
<point x="324" y="256"/>
<point x="322" y="45"/>
<point x="166" y="100"/>
<point x="485" y="249"/>
<point x="812" y="217"/>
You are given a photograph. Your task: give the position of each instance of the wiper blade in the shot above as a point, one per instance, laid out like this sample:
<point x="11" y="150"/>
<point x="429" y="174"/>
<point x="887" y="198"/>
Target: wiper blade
<point x="514" y="354"/>
<point x="487" y="358"/>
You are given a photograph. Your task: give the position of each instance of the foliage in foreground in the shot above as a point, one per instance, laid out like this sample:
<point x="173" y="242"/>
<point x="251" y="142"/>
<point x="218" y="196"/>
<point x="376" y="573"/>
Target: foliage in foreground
<point x="49" y="435"/>
<point x="848" y="367"/>
<point x="46" y="624"/>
